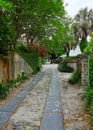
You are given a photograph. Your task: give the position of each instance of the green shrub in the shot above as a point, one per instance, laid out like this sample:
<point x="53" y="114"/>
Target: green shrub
<point x="75" y="78"/>
<point x="63" y="67"/>
<point x="83" y="44"/>
<point x="91" y="71"/>
<point x="58" y="60"/>
<point x="91" y="112"/>
<point x="88" y="91"/>
<point x="5" y="89"/>
<point x="33" y="60"/>
<point x="43" y="60"/>
<point x="32" y="56"/>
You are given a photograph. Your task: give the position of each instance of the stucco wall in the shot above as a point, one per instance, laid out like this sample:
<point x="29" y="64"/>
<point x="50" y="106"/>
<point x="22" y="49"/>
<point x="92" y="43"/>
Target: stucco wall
<point x="71" y="62"/>
<point x="15" y="66"/>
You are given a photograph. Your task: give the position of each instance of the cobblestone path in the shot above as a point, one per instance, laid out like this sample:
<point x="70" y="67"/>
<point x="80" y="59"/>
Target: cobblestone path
<point x="36" y="107"/>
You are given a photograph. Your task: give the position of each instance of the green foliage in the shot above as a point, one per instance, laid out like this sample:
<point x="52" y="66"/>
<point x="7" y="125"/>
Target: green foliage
<point x="91" y="112"/>
<point x="19" y="17"/>
<point x="68" y="37"/>
<point x="31" y="15"/>
<point x="7" y="31"/>
<point x="5" y="89"/>
<point x="54" y="45"/>
<point x="91" y="71"/>
<point x="61" y="42"/>
<point x="82" y="19"/>
<point x="5" y="6"/>
<point x="31" y="56"/>
<point x="58" y="60"/>
<point x="63" y="67"/>
<point x="89" y="48"/>
<point x="83" y="44"/>
<point x="88" y="91"/>
<point x="43" y="60"/>
<point x="75" y="78"/>
<point x="33" y="60"/>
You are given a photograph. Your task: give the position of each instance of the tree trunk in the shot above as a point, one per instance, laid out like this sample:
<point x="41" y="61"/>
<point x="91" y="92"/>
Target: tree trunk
<point x="67" y="53"/>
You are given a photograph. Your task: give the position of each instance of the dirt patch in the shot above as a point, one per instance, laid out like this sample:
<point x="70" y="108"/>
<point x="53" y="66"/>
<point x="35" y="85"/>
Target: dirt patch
<point x="75" y="117"/>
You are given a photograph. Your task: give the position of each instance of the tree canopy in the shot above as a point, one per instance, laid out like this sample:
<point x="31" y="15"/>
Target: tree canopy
<point x="37" y="20"/>
<point x="7" y="30"/>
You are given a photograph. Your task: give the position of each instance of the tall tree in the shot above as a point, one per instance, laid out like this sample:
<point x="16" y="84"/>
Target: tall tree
<point x="82" y="23"/>
<point x="7" y="30"/>
<point x="83" y="26"/>
<point x="35" y="18"/>
<point x="42" y="20"/>
<point x="68" y="36"/>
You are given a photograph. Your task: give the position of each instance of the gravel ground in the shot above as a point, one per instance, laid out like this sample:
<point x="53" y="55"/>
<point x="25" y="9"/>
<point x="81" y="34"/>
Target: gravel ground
<point x="75" y="117"/>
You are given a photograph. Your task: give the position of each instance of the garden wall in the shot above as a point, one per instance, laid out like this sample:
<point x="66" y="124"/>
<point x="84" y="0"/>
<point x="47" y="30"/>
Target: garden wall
<point x="71" y="62"/>
<point x="15" y="66"/>
<point x="84" y="72"/>
<point x="82" y="65"/>
<point x="4" y="71"/>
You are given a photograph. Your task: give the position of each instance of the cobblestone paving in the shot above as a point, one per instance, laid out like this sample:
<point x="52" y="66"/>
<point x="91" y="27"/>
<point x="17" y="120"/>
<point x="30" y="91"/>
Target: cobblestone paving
<point x="29" y="113"/>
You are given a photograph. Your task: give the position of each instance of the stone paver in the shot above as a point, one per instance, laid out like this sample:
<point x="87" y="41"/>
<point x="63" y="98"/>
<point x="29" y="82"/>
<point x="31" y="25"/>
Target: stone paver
<point x="52" y="119"/>
<point x="4" y="116"/>
<point x="12" y="105"/>
<point x="53" y="105"/>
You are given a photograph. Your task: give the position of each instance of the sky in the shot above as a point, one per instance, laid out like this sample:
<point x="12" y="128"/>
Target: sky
<point x="75" y="5"/>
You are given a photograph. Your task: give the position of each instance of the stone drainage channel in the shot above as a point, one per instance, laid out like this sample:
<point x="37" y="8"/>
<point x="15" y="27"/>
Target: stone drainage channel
<point x="52" y="117"/>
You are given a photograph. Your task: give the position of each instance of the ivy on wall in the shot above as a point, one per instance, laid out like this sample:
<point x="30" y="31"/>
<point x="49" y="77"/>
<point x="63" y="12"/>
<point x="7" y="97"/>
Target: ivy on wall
<point x="88" y="92"/>
<point x="91" y="71"/>
<point x="33" y="60"/>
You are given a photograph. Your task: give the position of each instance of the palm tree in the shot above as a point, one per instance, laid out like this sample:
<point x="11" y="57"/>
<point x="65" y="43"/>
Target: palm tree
<point x="83" y="26"/>
<point x="90" y="20"/>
